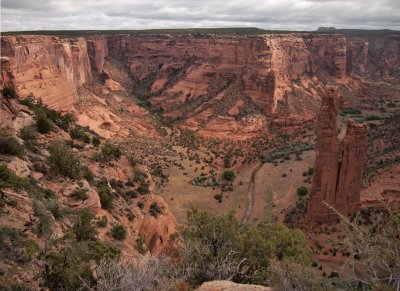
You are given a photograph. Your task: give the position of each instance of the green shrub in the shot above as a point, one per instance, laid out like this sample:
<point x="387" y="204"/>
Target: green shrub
<point x="96" y="141"/>
<point x="85" y="138"/>
<point x="105" y="195"/>
<point x="10" y="146"/>
<point x="9" y="92"/>
<point x="83" y="225"/>
<point x="8" y="179"/>
<point x="44" y="225"/>
<point x="302" y="191"/>
<point x="63" y="161"/>
<point x="110" y="151"/>
<point x="155" y="210"/>
<point x="218" y="197"/>
<point x="144" y="187"/>
<point x="228" y="175"/>
<point x="310" y="171"/>
<point x="43" y="124"/>
<point x="87" y="174"/>
<point x="118" y="232"/>
<point x="79" y="194"/>
<point x="210" y="239"/>
<point x="141" y="246"/>
<point x="102" y="222"/>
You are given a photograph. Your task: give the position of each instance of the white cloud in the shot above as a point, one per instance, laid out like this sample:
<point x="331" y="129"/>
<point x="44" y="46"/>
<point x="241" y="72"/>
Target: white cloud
<point x="269" y="14"/>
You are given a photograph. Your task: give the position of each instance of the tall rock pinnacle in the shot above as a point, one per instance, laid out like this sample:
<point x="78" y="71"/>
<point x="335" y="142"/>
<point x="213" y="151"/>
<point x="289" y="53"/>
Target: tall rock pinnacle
<point x="336" y="182"/>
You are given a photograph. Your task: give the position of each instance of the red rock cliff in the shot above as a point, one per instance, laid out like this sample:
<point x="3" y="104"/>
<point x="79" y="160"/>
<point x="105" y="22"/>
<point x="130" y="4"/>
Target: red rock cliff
<point x="338" y="183"/>
<point x="47" y="68"/>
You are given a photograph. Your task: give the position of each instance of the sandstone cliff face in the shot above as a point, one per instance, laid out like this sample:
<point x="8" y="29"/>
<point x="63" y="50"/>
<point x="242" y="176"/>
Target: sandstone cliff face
<point x="379" y="57"/>
<point x="202" y="79"/>
<point x="47" y="68"/>
<point x="337" y="183"/>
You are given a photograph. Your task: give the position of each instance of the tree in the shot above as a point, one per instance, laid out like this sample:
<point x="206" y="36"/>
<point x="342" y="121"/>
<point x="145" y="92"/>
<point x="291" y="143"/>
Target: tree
<point x="118" y="232"/>
<point x="302" y="191"/>
<point x="63" y="161"/>
<point x="228" y="175"/>
<point x="9" y="92"/>
<point x="43" y="124"/>
<point x="83" y="227"/>
<point x="220" y="248"/>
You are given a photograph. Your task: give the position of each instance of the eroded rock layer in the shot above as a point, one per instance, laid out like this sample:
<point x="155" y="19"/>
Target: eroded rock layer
<point x="200" y="81"/>
<point x="336" y="182"/>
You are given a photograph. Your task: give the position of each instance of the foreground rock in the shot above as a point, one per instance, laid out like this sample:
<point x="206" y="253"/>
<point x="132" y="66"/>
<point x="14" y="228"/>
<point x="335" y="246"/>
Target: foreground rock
<point x="230" y="286"/>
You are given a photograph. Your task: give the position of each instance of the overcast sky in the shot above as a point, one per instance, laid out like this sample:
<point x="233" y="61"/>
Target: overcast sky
<point x="139" y="14"/>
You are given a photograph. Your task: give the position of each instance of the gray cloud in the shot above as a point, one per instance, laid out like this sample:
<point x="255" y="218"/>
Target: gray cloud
<point x="138" y="14"/>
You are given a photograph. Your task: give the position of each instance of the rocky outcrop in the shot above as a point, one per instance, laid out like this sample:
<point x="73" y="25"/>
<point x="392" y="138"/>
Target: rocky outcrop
<point x="336" y="182"/>
<point x="231" y="286"/>
<point x="354" y="148"/>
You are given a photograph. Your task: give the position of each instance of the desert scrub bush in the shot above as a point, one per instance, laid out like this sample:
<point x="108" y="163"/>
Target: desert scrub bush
<point x="102" y="222"/>
<point x="44" y="226"/>
<point x="110" y="151"/>
<point x="87" y="174"/>
<point x="15" y="245"/>
<point x="79" y="194"/>
<point x="8" y="179"/>
<point x="218" y="197"/>
<point x="228" y="175"/>
<point x="43" y="124"/>
<point x="104" y="192"/>
<point x="9" y="92"/>
<point x="63" y="161"/>
<point x="68" y="262"/>
<point x="155" y="210"/>
<point x="219" y="247"/>
<point x="83" y="227"/>
<point x="118" y="232"/>
<point x="144" y="187"/>
<point x="10" y="146"/>
<point x="302" y="191"/>
<point x="141" y="246"/>
<point x="96" y="141"/>
<point x="29" y="135"/>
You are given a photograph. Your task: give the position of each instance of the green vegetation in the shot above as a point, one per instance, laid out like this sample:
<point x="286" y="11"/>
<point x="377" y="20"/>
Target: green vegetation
<point x="217" y="245"/>
<point x="9" y="92"/>
<point x="141" y="246"/>
<point x="43" y="124"/>
<point x="218" y="197"/>
<point x="302" y="191"/>
<point x="83" y="227"/>
<point x="228" y="175"/>
<point x="10" y="146"/>
<point x="63" y="161"/>
<point x="29" y="135"/>
<point x="8" y="179"/>
<point x="96" y="141"/>
<point x="110" y="151"/>
<point x="350" y="111"/>
<point x="79" y="194"/>
<point x="155" y="210"/>
<point x="118" y="232"/>
<point x="286" y="151"/>
<point x="15" y="245"/>
<point x="104" y="193"/>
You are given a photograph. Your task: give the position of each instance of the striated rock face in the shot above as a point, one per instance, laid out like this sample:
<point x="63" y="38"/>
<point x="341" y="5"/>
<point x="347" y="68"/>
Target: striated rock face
<point x="47" y="68"/>
<point x="201" y="80"/>
<point x="351" y="167"/>
<point x="335" y="182"/>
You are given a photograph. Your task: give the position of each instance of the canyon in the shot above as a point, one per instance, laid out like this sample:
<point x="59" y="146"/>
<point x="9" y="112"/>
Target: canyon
<point x="216" y="85"/>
